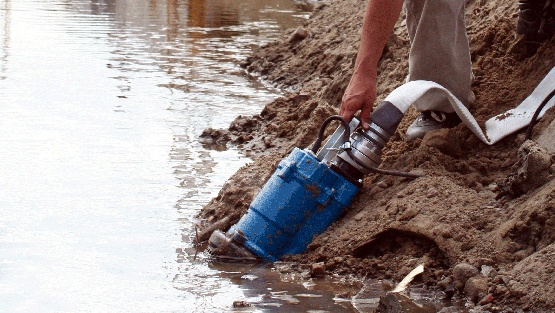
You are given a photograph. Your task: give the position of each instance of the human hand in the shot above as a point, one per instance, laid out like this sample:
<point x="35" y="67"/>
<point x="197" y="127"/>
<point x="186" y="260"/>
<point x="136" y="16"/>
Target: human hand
<point x="359" y="95"/>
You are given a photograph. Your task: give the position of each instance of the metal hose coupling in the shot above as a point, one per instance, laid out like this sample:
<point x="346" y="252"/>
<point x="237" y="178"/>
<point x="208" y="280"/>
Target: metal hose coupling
<point x="366" y="148"/>
<point x="365" y="153"/>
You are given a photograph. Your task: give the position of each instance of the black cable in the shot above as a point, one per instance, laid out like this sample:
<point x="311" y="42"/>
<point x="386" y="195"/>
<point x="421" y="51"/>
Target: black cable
<point x="381" y="171"/>
<point x="535" y="117"/>
<point x="346" y="134"/>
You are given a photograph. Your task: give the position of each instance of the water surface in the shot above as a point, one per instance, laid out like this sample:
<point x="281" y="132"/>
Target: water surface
<point x="102" y="103"/>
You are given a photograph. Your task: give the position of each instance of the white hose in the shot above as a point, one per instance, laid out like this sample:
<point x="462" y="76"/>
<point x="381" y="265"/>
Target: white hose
<point x="497" y="127"/>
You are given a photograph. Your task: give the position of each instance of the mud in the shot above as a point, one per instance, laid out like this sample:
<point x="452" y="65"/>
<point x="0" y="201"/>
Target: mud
<point x="491" y="207"/>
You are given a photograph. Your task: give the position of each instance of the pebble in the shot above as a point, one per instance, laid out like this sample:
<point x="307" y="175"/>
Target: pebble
<point x="387" y="285"/>
<point x="462" y="272"/>
<point x="501" y="290"/>
<point x="488" y="271"/>
<point x="432" y="192"/>
<point x="444" y="283"/>
<point x="318" y="269"/>
<point x="396" y="303"/>
<point x="382" y="184"/>
<point x="241" y="304"/>
<point x="299" y="34"/>
<point x="486" y="300"/>
<point x="409" y="214"/>
<point x="476" y="288"/>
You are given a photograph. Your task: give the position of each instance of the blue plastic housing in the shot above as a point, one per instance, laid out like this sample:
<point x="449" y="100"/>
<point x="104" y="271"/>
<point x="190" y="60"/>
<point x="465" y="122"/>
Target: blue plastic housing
<point x="302" y="198"/>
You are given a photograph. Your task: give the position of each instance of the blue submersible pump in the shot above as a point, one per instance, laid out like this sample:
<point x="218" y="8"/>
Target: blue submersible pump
<point x="309" y="190"/>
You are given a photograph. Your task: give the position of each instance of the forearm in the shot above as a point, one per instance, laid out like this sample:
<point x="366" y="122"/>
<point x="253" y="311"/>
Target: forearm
<point x="360" y="94"/>
<point x="379" y="20"/>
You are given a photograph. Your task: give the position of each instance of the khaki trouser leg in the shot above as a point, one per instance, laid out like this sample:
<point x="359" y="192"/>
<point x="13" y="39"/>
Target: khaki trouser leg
<point x="439" y="50"/>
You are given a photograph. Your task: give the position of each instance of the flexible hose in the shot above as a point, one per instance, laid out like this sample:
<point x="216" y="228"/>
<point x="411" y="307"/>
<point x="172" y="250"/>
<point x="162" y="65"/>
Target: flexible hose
<point x="535" y="117"/>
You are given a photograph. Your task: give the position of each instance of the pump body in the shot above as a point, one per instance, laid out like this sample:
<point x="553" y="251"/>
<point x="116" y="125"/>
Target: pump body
<point x="301" y="199"/>
<point x="308" y="191"/>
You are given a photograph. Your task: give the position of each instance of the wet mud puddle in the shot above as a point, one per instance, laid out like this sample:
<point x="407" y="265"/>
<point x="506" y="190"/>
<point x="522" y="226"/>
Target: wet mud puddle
<point x="289" y="287"/>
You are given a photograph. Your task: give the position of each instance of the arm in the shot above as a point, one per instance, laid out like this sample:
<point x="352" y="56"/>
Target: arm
<point x="379" y="21"/>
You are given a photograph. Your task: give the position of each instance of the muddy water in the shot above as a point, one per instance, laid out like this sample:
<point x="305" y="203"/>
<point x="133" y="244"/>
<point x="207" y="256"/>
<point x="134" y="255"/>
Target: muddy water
<point x="101" y="172"/>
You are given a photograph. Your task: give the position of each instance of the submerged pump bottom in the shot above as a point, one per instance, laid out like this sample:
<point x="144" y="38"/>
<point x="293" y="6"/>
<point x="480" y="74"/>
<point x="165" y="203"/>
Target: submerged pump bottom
<point x="230" y="248"/>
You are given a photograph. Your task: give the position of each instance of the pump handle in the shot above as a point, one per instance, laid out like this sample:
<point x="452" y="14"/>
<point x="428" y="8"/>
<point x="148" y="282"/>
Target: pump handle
<point x="346" y="134"/>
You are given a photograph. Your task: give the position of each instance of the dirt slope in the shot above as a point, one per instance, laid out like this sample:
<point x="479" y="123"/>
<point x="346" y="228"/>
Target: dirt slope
<point x="490" y="208"/>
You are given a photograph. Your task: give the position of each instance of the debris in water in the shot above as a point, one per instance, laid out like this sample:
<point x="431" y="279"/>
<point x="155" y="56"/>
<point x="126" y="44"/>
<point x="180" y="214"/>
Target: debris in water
<point x="241" y="304"/>
<point x="368" y="298"/>
<point x="318" y="269"/>
<point x="249" y="277"/>
<point x="406" y="281"/>
<point x="203" y="235"/>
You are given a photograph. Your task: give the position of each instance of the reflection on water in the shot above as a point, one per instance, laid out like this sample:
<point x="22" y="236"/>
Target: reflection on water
<point x="212" y="14"/>
<point x="102" y="103"/>
<point x="5" y="14"/>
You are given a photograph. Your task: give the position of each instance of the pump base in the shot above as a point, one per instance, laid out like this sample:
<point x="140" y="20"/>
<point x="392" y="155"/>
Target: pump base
<point x="228" y="249"/>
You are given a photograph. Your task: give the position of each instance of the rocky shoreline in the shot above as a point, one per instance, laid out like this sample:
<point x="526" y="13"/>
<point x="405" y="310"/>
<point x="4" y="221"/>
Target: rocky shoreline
<point x="482" y="220"/>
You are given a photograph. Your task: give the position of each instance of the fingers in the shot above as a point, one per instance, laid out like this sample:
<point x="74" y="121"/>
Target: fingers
<point x="347" y="114"/>
<point x="356" y="99"/>
<point x="349" y="108"/>
<point x="365" y="115"/>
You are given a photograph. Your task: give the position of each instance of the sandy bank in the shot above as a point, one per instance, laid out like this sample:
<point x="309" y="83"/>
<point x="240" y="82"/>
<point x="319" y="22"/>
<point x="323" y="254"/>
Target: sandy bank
<point x="489" y="207"/>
